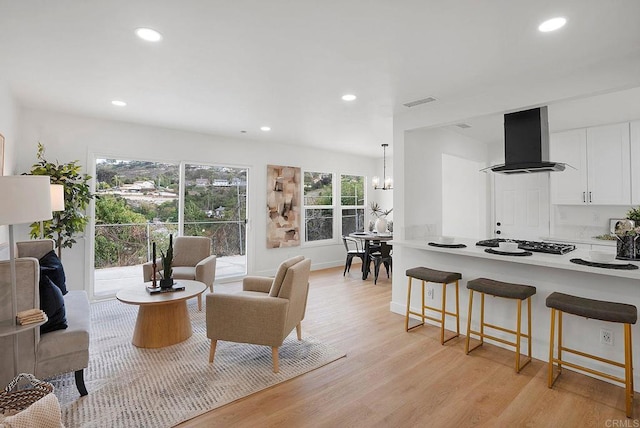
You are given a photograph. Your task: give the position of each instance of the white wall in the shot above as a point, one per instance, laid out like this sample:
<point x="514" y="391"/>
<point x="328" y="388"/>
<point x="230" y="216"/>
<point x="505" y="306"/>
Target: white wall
<point x="7" y="129"/>
<point x="423" y="174"/>
<point x="417" y="198"/>
<point x="583" y="221"/>
<point x="68" y="137"/>
<point x="464" y="205"/>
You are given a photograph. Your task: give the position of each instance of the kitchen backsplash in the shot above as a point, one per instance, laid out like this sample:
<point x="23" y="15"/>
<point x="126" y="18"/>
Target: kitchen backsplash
<point x="583" y="222"/>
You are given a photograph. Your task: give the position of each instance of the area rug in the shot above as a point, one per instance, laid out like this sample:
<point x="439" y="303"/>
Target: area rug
<point x="132" y="387"/>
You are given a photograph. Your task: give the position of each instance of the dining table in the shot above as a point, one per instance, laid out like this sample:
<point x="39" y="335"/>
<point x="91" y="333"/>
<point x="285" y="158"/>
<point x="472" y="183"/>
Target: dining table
<point x="368" y="238"/>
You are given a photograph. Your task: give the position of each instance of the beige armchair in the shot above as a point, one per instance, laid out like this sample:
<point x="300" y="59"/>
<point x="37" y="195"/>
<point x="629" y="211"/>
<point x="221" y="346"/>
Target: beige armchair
<point x="48" y="354"/>
<point x="265" y="312"/>
<point x="192" y="259"/>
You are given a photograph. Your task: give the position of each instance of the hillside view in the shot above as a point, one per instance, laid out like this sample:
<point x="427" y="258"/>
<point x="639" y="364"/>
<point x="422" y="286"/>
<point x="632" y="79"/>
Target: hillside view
<point x="137" y="203"/>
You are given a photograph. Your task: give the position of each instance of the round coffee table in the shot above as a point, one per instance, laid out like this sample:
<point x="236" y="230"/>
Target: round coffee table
<point x="163" y="319"/>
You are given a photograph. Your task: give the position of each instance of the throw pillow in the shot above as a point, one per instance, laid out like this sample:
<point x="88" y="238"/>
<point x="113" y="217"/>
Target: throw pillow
<point x="52" y="303"/>
<point x="51" y="266"/>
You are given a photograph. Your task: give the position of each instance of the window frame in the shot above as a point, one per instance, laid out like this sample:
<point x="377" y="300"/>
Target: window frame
<point x="332" y="207"/>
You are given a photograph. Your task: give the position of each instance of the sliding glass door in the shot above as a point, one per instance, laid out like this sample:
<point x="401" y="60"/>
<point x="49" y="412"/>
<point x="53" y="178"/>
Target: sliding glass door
<point x="215" y="205"/>
<point x="140" y="202"/>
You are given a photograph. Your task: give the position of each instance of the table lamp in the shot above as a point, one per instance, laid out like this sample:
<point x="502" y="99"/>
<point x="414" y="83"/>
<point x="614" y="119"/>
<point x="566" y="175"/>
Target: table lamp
<point x="57" y="202"/>
<point x="23" y="199"/>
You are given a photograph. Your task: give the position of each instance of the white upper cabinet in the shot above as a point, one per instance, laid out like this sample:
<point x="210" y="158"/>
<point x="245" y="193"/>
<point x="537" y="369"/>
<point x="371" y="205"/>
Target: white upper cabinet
<point x="635" y="162"/>
<point x="569" y="187"/>
<point x="601" y="156"/>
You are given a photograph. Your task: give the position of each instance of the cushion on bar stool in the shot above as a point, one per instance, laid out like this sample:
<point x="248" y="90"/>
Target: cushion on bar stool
<point x="431" y="275"/>
<point x="501" y="289"/>
<point x="595" y="309"/>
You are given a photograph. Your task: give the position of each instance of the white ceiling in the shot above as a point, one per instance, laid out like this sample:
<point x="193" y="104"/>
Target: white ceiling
<point x="228" y="66"/>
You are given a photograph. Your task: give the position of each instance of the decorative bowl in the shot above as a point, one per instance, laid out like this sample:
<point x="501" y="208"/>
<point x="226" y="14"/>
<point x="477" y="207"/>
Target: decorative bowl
<point x="508" y="246"/>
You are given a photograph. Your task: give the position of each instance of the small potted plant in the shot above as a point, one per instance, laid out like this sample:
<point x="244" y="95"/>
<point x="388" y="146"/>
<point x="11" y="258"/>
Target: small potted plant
<point x="626" y="233"/>
<point x="167" y="271"/>
<point x="381" y="216"/>
<point x="634" y="215"/>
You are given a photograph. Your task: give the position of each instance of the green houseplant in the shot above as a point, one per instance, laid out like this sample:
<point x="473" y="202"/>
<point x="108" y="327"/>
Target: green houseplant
<point x="66" y="224"/>
<point x="167" y="261"/>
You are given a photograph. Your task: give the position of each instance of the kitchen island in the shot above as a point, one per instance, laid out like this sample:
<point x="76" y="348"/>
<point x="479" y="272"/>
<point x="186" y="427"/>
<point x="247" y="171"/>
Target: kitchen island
<point x="548" y="273"/>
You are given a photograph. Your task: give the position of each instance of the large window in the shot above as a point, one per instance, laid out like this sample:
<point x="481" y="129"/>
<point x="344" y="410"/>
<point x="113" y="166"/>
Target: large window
<point x="138" y="203"/>
<point x="352" y="203"/>
<point x="318" y="206"/>
<point x="215" y="206"/>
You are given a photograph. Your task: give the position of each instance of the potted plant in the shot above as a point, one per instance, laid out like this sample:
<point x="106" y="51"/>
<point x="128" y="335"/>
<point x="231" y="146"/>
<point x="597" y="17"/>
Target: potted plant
<point x="66" y="224"/>
<point x="167" y="271"/>
<point x="381" y="216"/>
<point x="628" y="244"/>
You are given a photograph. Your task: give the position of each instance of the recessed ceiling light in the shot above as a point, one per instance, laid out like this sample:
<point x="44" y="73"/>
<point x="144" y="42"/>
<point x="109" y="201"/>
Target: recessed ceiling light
<point x="265" y="128"/>
<point x="552" y="24"/>
<point x="348" y="97"/>
<point x="148" y="34"/>
<point x="118" y="103"/>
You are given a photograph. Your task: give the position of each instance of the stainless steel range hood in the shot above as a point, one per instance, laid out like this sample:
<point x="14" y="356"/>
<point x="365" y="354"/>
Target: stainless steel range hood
<point x="526" y="143"/>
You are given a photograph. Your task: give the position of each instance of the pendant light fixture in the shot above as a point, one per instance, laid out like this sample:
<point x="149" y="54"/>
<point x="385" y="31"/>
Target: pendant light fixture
<point x="387" y="185"/>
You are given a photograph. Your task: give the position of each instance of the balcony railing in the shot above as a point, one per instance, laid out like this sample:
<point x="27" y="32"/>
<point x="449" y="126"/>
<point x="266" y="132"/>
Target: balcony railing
<point x="130" y="244"/>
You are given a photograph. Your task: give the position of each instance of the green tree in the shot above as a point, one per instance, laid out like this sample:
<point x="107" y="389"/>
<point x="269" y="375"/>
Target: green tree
<point x="119" y="245"/>
<point x="68" y="223"/>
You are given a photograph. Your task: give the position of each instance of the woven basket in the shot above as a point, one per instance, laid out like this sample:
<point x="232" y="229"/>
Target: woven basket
<point x="23" y="391"/>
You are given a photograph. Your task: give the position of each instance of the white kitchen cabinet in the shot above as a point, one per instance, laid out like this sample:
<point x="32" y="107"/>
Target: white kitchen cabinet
<point x="569" y="186"/>
<point x="635" y="162"/>
<point x="601" y="158"/>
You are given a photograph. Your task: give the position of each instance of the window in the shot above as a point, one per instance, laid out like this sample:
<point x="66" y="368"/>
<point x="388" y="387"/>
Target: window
<point x="352" y="203"/>
<point x="318" y="206"/>
<point x="215" y="205"/>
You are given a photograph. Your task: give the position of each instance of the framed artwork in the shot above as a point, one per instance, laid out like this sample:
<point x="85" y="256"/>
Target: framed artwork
<point x="1" y="155"/>
<point x="283" y="206"/>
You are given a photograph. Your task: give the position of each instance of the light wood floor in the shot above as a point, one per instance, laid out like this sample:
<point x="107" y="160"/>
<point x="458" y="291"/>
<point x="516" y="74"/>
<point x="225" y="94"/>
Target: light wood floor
<point x="391" y="378"/>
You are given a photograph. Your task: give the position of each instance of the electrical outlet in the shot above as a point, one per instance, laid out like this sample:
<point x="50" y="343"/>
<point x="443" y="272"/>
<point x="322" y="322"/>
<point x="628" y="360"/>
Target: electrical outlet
<point x="606" y="337"/>
<point x="430" y="293"/>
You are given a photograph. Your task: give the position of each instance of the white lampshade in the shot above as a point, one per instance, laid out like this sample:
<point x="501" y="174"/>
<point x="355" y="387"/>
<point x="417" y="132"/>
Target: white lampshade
<point x="57" y="197"/>
<point x="24" y="199"/>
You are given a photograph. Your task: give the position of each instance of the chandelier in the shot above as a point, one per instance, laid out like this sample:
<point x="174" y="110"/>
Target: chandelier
<point x="375" y="181"/>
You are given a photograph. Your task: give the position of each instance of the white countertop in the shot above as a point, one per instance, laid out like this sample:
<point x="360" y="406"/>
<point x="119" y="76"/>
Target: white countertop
<point x="554" y="261"/>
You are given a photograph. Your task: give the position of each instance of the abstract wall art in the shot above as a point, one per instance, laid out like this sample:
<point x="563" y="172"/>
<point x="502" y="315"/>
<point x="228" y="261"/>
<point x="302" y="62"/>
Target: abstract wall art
<point x="283" y="206"/>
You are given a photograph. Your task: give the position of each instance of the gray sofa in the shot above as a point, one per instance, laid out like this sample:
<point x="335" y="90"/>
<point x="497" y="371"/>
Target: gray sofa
<point x="52" y="353"/>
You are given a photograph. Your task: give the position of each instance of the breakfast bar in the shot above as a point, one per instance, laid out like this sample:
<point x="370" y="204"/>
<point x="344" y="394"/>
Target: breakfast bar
<point x="548" y="273"/>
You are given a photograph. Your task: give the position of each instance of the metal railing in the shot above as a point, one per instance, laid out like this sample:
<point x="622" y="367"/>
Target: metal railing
<point x="130" y="244"/>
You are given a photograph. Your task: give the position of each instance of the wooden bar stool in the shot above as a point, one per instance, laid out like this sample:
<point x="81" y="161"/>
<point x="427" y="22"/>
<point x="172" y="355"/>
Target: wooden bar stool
<point x="429" y="275"/>
<point x="509" y="291"/>
<point x="599" y="310"/>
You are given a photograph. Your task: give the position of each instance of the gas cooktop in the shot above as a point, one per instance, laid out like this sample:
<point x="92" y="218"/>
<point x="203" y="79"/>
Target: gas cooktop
<point x="535" y="246"/>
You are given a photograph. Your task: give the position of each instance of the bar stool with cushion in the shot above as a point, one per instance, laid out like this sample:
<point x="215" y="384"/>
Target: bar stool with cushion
<point x="600" y="310"/>
<point x="505" y="290"/>
<point x="430" y="275"/>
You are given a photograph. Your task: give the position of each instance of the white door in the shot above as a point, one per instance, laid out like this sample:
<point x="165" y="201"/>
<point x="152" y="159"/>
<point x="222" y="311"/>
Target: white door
<point x="521" y="206"/>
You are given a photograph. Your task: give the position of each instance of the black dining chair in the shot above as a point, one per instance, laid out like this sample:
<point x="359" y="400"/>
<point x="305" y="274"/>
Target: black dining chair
<point x="354" y="249"/>
<point x="382" y="256"/>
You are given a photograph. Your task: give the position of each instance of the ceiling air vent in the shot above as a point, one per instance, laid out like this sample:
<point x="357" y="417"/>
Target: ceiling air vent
<point x="418" y="102"/>
<point x="463" y="125"/>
